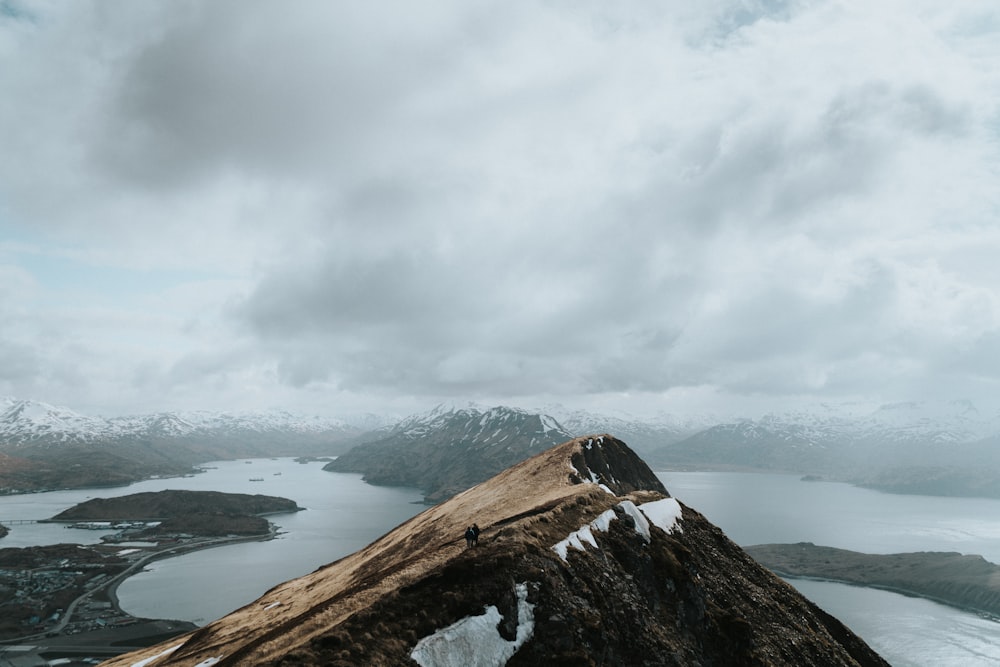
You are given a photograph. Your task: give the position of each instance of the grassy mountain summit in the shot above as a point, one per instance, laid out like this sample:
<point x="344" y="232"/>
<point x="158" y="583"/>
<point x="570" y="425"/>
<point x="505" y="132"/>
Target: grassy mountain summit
<point x="584" y="559"/>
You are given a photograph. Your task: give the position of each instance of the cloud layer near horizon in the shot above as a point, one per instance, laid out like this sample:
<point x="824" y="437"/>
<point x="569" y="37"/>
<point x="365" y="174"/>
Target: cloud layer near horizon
<point x="331" y="204"/>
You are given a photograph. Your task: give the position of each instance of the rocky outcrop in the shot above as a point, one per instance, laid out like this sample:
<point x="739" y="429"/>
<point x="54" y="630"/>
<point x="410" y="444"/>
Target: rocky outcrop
<point x="584" y="559"/>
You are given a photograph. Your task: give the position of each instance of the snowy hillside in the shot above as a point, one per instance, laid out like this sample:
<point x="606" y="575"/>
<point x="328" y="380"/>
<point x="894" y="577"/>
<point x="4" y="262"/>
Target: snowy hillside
<point x="25" y="422"/>
<point x="483" y="425"/>
<point x="642" y="434"/>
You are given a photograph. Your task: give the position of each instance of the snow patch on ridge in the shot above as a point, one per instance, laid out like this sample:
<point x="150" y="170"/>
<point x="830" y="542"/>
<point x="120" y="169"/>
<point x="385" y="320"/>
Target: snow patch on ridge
<point x="594" y="479"/>
<point x="641" y="525"/>
<point x="664" y="514"/>
<point x="577" y="538"/>
<point x="474" y="641"/>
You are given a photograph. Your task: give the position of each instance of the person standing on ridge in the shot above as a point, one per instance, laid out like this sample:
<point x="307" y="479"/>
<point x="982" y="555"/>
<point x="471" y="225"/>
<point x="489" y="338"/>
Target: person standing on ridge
<point x="475" y="534"/>
<point x="470" y="537"/>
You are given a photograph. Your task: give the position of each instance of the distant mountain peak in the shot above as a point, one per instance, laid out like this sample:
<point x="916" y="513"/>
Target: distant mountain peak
<point x="450" y="448"/>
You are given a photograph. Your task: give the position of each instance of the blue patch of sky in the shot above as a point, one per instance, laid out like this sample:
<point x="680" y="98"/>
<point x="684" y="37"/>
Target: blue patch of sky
<point x="745" y="13"/>
<point x="67" y="274"/>
<point x="15" y="10"/>
<point x="55" y="269"/>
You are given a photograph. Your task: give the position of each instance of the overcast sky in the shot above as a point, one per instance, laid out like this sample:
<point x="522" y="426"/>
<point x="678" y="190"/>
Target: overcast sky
<point x="653" y="206"/>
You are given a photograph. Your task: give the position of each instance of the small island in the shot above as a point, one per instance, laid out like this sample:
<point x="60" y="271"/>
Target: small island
<point x="63" y="595"/>
<point x="965" y="581"/>
<point x="203" y="513"/>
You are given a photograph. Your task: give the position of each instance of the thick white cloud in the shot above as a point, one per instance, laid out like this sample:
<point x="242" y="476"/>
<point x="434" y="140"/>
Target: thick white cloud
<point x="358" y="203"/>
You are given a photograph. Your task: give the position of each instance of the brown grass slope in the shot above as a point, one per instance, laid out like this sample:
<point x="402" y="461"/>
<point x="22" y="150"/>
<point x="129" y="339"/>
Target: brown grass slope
<point x="690" y="597"/>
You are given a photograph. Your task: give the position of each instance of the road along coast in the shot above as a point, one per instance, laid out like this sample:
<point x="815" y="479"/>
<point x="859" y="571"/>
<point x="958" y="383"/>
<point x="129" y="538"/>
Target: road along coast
<point x="93" y="625"/>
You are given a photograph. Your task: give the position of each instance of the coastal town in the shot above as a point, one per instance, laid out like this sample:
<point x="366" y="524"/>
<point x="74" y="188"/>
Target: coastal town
<point x="58" y="603"/>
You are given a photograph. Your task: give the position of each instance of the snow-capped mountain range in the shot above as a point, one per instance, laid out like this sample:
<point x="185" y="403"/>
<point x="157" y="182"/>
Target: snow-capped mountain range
<point x="479" y="423"/>
<point x="25" y="421"/>
<point x="33" y="422"/>
<point x="924" y="422"/>
<point x="908" y="441"/>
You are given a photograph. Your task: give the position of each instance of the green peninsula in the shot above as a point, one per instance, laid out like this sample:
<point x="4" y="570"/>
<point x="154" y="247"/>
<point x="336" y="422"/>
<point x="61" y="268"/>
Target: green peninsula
<point x="965" y="581"/>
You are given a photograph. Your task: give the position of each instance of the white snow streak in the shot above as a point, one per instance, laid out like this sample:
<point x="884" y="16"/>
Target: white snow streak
<point x="664" y="513"/>
<point x="594" y="479"/>
<point x="603" y="522"/>
<point x="143" y="663"/>
<point x="585" y="534"/>
<point x="549" y="424"/>
<point x="578" y="537"/>
<point x="641" y="525"/>
<point x="475" y="641"/>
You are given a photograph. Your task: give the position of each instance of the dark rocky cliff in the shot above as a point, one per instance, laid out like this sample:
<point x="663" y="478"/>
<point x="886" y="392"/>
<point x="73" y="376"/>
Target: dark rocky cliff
<point x="584" y="560"/>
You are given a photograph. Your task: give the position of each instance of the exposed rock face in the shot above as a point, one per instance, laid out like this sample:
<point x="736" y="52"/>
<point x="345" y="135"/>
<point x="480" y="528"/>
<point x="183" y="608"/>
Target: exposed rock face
<point x="584" y="559"/>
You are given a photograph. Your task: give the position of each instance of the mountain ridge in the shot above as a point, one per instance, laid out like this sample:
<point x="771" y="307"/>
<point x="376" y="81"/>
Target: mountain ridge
<point x="936" y="448"/>
<point x="584" y="559"/>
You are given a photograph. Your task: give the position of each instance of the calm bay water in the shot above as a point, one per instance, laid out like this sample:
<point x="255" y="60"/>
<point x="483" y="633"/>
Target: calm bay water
<point x="344" y="514"/>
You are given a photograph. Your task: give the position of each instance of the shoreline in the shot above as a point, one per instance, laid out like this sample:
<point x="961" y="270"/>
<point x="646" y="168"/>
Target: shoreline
<point x="110" y="589"/>
<point x="965" y="582"/>
<point x="136" y="633"/>
<point x="984" y="613"/>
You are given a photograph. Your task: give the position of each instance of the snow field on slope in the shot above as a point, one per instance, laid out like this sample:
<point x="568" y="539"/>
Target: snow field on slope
<point x="474" y="641"/>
